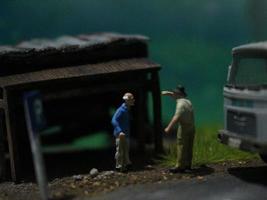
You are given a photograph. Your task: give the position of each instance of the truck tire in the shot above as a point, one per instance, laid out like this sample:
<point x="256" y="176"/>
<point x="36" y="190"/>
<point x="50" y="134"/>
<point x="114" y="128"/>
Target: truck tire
<point x="264" y="157"/>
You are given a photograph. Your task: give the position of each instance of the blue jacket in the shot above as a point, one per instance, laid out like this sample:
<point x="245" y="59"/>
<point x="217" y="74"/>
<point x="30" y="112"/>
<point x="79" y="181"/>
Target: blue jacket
<point x="121" y="121"/>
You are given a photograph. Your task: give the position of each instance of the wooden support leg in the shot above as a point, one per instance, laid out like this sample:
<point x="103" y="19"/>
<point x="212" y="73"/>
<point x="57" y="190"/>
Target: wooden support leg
<point x="2" y="149"/>
<point x="12" y="143"/>
<point x="141" y="119"/>
<point x="157" y="112"/>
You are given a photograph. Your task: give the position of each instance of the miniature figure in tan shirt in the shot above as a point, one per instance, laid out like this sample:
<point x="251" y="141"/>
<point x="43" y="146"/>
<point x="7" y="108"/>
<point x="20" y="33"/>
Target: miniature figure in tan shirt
<point x="184" y="117"/>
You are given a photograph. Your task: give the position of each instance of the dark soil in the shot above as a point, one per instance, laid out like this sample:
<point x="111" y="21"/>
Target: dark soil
<point x="80" y="186"/>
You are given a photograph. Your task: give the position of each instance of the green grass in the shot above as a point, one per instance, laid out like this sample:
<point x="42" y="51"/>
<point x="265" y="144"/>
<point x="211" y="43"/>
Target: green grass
<point x="208" y="150"/>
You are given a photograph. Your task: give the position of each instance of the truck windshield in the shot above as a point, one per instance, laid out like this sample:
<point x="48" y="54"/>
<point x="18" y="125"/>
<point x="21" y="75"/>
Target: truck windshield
<point x="249" y="72"/>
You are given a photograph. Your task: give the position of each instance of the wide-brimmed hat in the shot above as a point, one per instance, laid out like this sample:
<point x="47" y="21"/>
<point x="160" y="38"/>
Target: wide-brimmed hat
<point x="179" y="90"/>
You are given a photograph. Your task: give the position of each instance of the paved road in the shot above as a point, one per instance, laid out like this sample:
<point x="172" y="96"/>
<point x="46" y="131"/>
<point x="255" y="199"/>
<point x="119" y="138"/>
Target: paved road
<point x="237" y="184"/>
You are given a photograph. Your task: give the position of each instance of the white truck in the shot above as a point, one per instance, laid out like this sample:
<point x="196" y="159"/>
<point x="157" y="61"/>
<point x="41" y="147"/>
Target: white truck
<point x="245" y="100"/>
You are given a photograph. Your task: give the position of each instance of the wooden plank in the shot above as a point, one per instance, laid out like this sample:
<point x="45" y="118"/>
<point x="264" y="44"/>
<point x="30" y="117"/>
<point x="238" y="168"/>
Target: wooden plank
<point x="96" y="89"/>
<point x="124" y="65"/>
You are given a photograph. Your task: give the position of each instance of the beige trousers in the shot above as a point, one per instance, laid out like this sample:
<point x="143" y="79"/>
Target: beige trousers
<point x="122" y="153"/>
<point x="185" y="141"/>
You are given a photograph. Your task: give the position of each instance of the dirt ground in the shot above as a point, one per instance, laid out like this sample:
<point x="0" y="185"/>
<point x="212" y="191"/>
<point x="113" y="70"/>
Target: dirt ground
<point x="86" y="185"/>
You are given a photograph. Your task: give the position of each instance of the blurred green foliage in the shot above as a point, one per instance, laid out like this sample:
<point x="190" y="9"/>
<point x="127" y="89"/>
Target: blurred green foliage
<point x="191" y="39"/>
<point x="94" y="141"/>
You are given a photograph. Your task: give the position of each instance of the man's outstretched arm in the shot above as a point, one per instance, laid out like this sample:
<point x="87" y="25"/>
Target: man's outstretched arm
<point x="175" y="120"/>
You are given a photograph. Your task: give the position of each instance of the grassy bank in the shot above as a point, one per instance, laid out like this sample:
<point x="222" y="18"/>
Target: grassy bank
<point x="208" y="150"/>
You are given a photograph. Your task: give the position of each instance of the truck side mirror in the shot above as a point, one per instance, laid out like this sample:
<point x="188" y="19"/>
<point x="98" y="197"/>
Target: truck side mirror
<point x="229" y="73"/>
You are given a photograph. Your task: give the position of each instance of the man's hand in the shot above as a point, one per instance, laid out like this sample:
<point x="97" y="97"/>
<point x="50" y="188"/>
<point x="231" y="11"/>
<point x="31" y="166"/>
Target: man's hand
<point x="122" y="135"/>
<point x="169" y="93"/>
<point x="175" y="120"/>
<point x="167" y="130"/>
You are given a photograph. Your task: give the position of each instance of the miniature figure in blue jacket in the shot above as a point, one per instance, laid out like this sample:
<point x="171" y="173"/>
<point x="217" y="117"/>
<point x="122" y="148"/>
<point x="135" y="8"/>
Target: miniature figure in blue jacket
<point x="121" y="124"/>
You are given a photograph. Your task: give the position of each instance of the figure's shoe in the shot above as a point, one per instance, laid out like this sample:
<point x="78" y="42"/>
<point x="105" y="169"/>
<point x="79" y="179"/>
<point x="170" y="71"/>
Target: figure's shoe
<point x="121" y="169"/>
<point x="175" y="170"/>
<point x="188" y="170"/>
<point x="180" y="170"/>
<point x="129" y="167"/>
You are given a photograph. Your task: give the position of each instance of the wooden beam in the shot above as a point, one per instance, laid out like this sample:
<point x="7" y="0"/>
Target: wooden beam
<point x="92" y="90"/>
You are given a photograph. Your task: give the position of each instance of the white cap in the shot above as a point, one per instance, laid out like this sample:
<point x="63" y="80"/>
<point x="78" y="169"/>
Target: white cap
<point x="128" y="96"/>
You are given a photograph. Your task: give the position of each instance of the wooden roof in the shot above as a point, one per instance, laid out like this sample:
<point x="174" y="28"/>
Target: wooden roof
<point x="117" y="66"/>
<point x="39" y="54"/>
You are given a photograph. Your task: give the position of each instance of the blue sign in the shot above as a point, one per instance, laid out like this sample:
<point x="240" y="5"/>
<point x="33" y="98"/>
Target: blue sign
<point x="34" y="110"/>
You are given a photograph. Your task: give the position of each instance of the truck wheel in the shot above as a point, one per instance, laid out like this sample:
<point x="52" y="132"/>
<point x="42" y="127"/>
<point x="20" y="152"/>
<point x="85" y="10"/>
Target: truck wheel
<point x="264" y="157"/>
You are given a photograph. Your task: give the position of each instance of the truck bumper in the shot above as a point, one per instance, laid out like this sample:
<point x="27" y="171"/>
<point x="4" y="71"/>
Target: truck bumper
<point x="234" y="141"/>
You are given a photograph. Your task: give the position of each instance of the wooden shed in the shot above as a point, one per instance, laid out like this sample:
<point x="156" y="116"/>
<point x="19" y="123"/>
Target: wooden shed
<point x="80" y="78"/>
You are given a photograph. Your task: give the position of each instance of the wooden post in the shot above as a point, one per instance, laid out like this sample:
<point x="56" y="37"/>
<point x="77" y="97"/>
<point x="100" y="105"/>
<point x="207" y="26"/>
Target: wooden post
<point x="11" y="137"/>
<point x="140" y="119"/>
<point x="157" y="112"/>
<point x="2" y="149"/>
